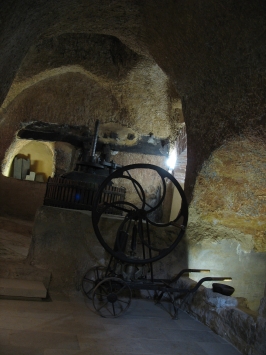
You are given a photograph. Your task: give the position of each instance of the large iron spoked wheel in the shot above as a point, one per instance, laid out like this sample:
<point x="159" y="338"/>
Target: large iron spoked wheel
<point x="91" y="279"/>
<point x="144" y="236"/>
<point x="111" y="297"/>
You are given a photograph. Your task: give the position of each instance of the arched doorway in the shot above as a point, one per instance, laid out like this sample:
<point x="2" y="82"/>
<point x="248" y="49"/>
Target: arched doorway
<point x="40" y="158"/>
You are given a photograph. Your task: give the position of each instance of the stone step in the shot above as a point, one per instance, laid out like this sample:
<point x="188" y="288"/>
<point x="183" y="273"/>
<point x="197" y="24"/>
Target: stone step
<point x="23" y="271"/>
<point x="22" y="288"/>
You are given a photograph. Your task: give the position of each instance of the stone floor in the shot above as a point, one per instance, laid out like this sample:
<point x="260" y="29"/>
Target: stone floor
<point x="68" y="325"/>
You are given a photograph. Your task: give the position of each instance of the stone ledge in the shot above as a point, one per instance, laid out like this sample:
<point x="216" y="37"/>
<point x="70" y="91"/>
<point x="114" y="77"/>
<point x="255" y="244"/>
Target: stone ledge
<point x="23" y="271"/>
<point x="245" y="330"/>
<point x="22" y="288"/>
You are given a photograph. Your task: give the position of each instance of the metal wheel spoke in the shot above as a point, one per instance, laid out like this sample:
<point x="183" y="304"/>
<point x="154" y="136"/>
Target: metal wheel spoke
<point x="92" y="277"/>
<point x="87" y="279"/>
<point x="107" y="308"/>
<point x="113" y="305"/>
<point x="87" y="292"/>
<point x="105" y="291"/>
<point x="98" y="309"/>
<point x="98" y="293"/>
<point x="121" y="289"/>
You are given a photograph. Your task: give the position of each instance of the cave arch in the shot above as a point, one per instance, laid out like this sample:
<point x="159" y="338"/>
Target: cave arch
<point x="40" y="154"/>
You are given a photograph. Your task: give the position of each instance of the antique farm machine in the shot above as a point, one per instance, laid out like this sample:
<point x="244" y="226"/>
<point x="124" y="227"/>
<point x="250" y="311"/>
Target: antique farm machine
<point x="138" y="240"/>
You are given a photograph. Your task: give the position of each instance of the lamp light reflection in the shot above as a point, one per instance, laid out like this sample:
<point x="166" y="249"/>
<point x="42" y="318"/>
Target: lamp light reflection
<point x="171" y="161"/>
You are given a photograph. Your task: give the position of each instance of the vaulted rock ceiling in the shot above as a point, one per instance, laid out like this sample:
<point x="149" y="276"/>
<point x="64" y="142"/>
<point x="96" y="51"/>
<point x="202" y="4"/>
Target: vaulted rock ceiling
<point x="131" y="62"/>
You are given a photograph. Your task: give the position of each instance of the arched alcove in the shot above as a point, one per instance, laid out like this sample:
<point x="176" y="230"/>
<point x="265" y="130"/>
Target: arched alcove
<point x="40" y="154"/>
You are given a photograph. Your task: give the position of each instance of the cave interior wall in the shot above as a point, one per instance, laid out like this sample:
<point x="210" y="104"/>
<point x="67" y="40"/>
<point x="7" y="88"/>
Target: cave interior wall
<point x="145" y="67"/>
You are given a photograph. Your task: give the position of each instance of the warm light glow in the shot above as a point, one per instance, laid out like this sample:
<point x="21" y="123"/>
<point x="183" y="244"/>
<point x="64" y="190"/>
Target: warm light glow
<point x="41" y="155"/>
<point x="171" y="161"/>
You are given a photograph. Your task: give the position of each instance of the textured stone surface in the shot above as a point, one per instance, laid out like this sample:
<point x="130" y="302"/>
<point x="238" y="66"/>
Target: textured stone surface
<point x="131" y="63"/>
<point x="223" y="252"/>
<point x="262" y="307"/>
<point x="216" y="300"/>
<point x="227" y="222"/>
<point x="76" y="97"/>
<point x="231" y="189"/>
<point x="220" y="79"/>
<point x="243" y="329"/>
<point x="65" y="155"/>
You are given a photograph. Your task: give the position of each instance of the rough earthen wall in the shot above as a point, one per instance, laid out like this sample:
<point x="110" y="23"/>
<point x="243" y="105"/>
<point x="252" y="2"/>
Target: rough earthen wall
<point x="147" y="56"/>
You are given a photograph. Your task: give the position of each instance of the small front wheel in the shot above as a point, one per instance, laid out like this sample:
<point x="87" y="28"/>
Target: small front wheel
<point x="111" y="297"/>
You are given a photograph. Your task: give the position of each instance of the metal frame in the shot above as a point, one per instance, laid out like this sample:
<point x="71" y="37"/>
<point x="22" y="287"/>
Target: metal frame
<point x="110" y="287"/>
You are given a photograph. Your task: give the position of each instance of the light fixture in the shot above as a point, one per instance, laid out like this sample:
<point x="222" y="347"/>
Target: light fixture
<point x="171" y="161"/>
